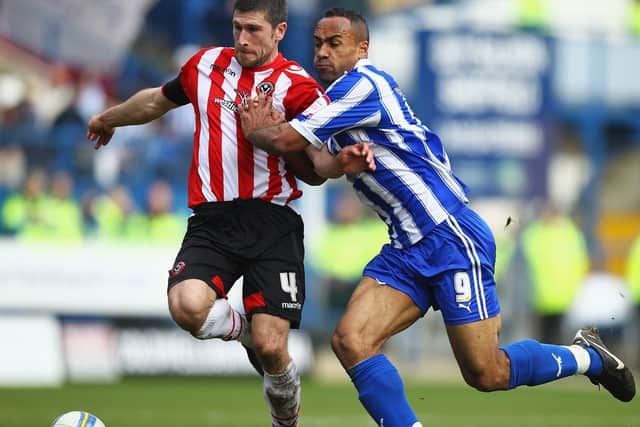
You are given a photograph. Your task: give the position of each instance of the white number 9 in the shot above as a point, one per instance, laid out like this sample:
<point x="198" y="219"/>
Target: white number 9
<point x="462" y="286"/>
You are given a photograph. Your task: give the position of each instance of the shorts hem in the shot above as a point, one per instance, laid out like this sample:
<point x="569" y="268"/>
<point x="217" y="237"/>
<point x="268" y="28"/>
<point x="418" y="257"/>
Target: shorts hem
<point x="293" y="320"/>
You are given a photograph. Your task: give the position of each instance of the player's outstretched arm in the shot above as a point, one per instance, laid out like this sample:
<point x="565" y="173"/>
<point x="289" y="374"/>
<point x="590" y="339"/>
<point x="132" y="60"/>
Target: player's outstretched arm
<point x="143" y="107"/>
<point x="351" y="160"/>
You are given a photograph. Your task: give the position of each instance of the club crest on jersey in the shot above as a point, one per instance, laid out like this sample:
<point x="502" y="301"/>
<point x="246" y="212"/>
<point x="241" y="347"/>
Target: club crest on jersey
<point x="265" y="88"/>
<point x="177" y="269"/>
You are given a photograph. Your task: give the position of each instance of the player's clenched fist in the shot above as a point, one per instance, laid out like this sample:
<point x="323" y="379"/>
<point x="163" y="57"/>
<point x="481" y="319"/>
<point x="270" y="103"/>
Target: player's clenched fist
<point x="356" y="158"/>
<point x="99" y="131"/>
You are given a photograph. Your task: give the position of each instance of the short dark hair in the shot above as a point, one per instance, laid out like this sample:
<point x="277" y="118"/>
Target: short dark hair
<point x="354" y="17"/>
<point x="275" y="11"/>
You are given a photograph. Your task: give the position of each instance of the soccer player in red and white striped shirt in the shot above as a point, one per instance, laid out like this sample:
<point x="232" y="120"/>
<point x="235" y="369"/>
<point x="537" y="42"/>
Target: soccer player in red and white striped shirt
<point x="242" y="223"/>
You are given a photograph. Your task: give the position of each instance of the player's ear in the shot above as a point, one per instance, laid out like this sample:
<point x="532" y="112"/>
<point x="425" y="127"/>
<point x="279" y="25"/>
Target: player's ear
<point x="363" y="49"/>
<point x="280" y="30"/>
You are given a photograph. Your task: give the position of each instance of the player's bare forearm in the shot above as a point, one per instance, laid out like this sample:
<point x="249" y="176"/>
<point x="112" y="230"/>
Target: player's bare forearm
<point x="265" y="128"/>
<point x="143" y="107"/>
<point x="351" y="160"/>
<point x="299" y="164"/>
<point x="277" y="139"/>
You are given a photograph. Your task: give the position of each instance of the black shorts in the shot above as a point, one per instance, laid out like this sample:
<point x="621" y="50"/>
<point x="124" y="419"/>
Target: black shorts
<point x="252" y="238"/>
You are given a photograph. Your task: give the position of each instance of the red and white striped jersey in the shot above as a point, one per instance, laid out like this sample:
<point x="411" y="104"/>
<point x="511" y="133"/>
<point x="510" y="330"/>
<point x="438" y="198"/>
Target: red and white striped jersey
<point x="225" y="166"/>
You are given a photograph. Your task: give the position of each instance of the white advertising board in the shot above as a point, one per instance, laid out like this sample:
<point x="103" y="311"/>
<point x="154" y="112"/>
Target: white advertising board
<point x="85" y="279"/>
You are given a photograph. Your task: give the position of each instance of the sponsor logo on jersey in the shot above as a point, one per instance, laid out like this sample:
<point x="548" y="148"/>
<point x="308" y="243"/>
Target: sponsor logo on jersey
<point x="223" y="70"/>
<point x="229" y="105"/>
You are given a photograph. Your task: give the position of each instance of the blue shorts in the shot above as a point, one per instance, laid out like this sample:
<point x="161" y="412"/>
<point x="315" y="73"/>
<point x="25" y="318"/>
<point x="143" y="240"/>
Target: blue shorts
<point x="450" y="269"/>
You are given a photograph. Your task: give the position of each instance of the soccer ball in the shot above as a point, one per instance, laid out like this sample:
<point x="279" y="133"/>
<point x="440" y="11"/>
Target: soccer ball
<point x="77" y="419"/>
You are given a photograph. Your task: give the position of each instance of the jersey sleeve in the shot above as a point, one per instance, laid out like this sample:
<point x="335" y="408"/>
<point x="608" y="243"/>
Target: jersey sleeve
<point x="174" y="92"/>
<point x="354" y="102"/>
<point x="304" y="94"/>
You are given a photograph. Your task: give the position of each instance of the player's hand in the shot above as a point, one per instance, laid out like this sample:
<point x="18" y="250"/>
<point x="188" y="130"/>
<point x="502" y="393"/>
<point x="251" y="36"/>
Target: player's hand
<point x="99" y="132"/>
<point x="259" y="113"/>
<point x="356" y="158"/>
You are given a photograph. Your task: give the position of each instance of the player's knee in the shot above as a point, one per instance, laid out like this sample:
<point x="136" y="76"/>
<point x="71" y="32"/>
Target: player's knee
<point x="482" y="381"/>
<point x="270" y="347"/>
<point x="188" y="309"/>
<point x="350" y="346"/>
<point x="490" y="377"/>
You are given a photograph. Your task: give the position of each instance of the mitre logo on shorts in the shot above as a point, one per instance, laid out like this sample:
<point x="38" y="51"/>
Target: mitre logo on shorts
<point x="177" y="269"/>
<point x="288" y="286"/>
<point x="265" y="88"/>
<point x="291" y="305"/>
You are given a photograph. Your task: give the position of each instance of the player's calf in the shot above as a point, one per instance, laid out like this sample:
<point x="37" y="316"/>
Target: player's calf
<point x="282" y="394"/>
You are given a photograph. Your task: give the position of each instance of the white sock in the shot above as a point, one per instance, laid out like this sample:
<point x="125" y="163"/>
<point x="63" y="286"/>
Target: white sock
<point x="282" y="394"/>
<point x="582" y="357"/>
<point x="223" y="322"/>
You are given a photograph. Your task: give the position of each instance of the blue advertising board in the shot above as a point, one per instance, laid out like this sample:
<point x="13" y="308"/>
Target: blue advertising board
<point x="487" y="95"/>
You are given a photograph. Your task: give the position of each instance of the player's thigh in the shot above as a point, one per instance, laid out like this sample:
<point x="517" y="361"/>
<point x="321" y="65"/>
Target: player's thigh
<point x="376" y="312"/>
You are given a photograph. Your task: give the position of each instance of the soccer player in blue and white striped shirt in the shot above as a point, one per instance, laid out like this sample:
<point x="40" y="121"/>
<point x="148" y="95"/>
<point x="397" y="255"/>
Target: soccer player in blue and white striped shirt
<point x="441" y="255"/>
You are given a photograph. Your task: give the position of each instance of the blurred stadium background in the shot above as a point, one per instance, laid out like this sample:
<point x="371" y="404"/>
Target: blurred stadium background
<point x="537" y="102"/>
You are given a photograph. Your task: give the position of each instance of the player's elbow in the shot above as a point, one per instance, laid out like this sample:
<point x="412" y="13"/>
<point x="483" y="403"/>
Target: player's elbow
<point x="313" y="180"/>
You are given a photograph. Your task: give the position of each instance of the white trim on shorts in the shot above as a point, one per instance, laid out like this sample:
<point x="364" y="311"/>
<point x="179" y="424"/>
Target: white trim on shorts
<point x="476" y="266"/>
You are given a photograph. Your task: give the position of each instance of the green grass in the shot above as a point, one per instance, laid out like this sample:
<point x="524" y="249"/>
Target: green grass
<point x="237" y="402"/>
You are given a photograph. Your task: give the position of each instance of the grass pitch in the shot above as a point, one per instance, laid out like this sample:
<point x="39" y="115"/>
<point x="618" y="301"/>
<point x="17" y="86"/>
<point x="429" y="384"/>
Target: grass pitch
<point x="237" y="402"/>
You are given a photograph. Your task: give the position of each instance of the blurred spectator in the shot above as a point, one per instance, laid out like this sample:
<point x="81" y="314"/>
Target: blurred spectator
<point x="91" y="97"/>
<point x="164" y="154"/>
<point x="26" y="208"/>
<point x="68" y="130"/>
<point x="58" y="95"/>
<point x="532" y="14"/>
<point x="110" y="213"/>
<point x="505" y="250"/>
<point x="34" y="214"/>
<point x="634" y="17"/>
<point x="340" y="253"/>
<point x="633" y="280"/>
<point x="633" y="271"/>
<point x="159" y="224"/>
<point x="21" y="136"/>
<point x="556" y="255"/>
<point x="63" y="213"/>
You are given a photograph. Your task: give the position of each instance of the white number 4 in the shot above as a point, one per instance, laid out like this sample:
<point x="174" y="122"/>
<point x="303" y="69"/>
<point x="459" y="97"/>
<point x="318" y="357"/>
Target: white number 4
<point x="288" y="284"/>
<point x="462" y="286"/>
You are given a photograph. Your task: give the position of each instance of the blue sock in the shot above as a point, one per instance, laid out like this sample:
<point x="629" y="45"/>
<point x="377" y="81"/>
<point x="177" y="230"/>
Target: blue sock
<point x="533" y="363"/>
<point x="381" y="392"/>
<point x="595" y="365"/>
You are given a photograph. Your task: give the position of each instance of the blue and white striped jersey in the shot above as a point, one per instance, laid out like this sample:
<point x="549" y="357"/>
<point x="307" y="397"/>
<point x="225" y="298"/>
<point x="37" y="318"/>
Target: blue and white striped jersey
<point x="413" y="188"/>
